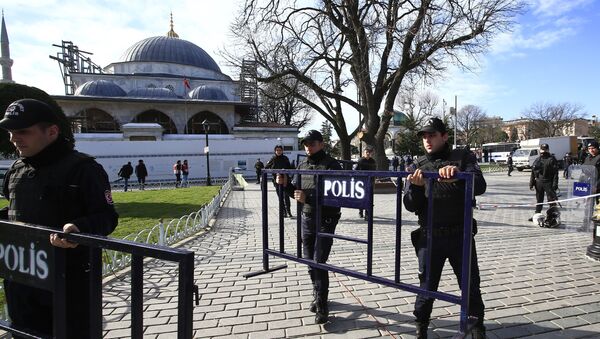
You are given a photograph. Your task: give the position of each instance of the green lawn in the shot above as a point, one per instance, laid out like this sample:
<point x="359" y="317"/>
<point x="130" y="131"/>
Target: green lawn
<point x="142" y="209"/>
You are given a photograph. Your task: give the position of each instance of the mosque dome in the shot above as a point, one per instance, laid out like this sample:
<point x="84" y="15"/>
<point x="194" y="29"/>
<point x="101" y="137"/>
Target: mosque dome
<point x="169" y="49"/>
<point x="156" y="93"/>
<point x="100" y="88"/>
<point x="207" y="93"/>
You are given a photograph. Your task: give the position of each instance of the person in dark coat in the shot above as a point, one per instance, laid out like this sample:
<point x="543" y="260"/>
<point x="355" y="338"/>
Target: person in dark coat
<point x="141" y="173"/>
<point x="395" y="163"/>
<point x="316" y="159"/>
<point x="258" y="166"/>
<point x="594" y="160"/>
<point x="53" y="185"/>
<point x="366" y="163"/>
<point x="509" y="164"/>
<point x="125" y="172"/>
<point x="544" y="177"/>
<point x="567" y="162"/>
<point x="447" y="220"/>
<point x="281" y="161"/>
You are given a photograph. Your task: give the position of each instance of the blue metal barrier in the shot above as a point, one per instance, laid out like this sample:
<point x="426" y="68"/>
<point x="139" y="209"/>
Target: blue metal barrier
<point x="44" y="268"/>
<point x="354" y="189"/>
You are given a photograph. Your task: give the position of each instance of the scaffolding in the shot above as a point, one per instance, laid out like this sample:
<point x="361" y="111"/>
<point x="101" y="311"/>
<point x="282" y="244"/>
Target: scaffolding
<point x="249" y="89"/>
<point x="73" y="60"/>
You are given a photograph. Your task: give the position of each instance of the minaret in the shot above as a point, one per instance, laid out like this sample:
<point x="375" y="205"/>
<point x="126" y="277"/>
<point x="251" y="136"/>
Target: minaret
<point x="172" y="33"/>
<point x="5" y="59"/>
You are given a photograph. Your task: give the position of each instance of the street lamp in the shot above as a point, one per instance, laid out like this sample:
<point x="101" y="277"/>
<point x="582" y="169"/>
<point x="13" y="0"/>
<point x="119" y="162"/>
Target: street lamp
<point x="206" y="126"/>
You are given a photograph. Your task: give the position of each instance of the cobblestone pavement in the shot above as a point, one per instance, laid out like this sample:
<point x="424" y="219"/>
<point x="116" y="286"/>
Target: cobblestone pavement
<point x="536" y="282"/>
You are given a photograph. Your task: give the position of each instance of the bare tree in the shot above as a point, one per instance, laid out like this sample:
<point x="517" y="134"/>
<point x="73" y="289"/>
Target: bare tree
<point x="341" y="48"/>
<point x="468" y="125"/>
<point x="278" y="104"/>
<point x="550" y="120"/>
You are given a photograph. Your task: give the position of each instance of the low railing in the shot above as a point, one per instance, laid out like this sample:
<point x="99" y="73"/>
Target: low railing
<point x="171" y="232"/>
<point x="164" y="184"/>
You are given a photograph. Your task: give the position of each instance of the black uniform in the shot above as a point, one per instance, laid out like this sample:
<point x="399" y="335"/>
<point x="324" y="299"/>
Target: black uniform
<point x="55" y="187"/>
<point x="509" y="163"/>
<point x="448" y="221"/>
<point x="329" y="219"/>
<point x="594" y="161"/>
<point x="281" y="162"/>
<point x="141" y="172"/>
<point x="365" y="164"/>
<point x="544" y="177"/>
<point x="258" y="166"/>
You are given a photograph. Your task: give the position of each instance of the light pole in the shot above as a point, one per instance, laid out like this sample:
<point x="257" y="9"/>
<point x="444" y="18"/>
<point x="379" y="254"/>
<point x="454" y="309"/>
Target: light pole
<point x="206" y="126"/>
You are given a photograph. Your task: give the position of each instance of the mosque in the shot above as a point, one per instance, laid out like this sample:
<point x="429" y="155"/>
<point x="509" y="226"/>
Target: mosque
<point x="165" y="99"/>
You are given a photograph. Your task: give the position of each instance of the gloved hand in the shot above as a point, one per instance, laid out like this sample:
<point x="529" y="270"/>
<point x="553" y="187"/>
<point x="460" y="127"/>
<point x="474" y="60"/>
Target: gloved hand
<point x="554" y="188"/>
<point x="531" y="188"/>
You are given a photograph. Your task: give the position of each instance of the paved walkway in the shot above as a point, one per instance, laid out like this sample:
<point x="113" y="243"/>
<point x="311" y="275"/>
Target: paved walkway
<point x="536" y="282"/>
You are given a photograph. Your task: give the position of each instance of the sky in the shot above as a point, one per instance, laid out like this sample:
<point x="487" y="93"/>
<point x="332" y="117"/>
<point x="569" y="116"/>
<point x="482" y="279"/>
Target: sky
<point x="550" y="55"/>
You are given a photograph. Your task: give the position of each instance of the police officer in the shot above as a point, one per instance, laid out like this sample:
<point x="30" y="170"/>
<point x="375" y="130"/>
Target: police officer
<point x="53" y="185"/>
<point x="258" y="166"/>
<point x="594" y="160"/>
<point x="281" y="161"/>
<point x="509" y="163"/>
<point x="366" y="163"/>
<point x="316" y="159"/>
<point x="544" y="177"/>
<point x="448" y="220"/>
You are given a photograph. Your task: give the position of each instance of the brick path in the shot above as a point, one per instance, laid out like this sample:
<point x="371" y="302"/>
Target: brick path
<point x="536" y="282"/>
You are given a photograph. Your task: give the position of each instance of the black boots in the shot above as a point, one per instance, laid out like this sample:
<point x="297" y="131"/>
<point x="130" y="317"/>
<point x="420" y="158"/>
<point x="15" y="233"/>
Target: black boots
<point x="478" y="332"/>
<point x="422" y="330"/>
<point x="313" y="303"/>
<point x="322" y="311"/>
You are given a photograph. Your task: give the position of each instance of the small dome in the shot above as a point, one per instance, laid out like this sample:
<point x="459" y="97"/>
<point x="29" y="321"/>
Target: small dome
<point x="169" y="49"/>
<point x="208" y="93"/>
<point x="100" y="88"/>
<point x="160" y="93"/>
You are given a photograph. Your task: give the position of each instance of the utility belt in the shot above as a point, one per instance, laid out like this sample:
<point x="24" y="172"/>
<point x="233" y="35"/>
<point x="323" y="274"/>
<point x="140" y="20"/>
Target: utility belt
<point x="443" y="231"/>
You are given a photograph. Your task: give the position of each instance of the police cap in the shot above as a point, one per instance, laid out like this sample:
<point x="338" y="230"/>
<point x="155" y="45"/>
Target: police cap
<point x="544" y="147"/>
<point x="26" y="113"/>
<point x="593" y="143"/>
<point x="433" y="125"/>
<point x="312" y="135"/>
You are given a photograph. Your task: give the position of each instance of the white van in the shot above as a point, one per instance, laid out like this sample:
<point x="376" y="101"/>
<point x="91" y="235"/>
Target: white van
<point x="524" y="157"/>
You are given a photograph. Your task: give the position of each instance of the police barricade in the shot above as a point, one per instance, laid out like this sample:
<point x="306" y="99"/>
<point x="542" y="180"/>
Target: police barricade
<point x="354" y="189"/>
<point x="576" y="211"/>
<point x="27" y="257"/>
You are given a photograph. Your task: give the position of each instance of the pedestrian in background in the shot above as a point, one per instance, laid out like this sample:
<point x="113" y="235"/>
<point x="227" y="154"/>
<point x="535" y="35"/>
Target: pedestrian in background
<point x="366" y="163"/>
<point x="125" y="172"/>
<point x="594" y="160"/>
<point x="544" y="178"/>
<point x="567" y="161"/>
<point x="448" y="220"/>
<point x="509" y="163"/>
<point x="141" y="173"/>
<point x="258" y="166"/>
<point x="177" y="172"/>
<point x="185" y="172"/>
<point x="316" y="159"/>
<point x="281" y="161"/>
<point x="53" y="185"/>
<point x="395" y="163"/>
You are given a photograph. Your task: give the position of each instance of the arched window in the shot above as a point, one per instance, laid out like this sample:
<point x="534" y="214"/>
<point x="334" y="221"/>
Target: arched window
<point x="217" y="125"/>
<point x="154" y="116"/>
<point x="94" y="120"/>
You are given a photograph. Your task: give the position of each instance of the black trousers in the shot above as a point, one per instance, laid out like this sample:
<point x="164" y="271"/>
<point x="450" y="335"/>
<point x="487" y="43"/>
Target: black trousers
<point x="287" y="207"/>
<point x="541" y="187"/>
<point x="320" y="253"/>
<point x="510" y="169"/>
<point x="446" y="248"/>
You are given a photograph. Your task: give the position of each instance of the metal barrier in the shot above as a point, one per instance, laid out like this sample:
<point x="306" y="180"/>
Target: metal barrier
<point x="45" y="269"/>
<point x="118" y="185"/>
<point x="354" y="189"/>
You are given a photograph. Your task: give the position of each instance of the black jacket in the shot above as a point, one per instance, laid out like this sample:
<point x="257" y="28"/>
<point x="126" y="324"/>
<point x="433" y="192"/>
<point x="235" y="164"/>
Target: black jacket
<point x="594" y="161"/>
<point x="141" y="171"/>
<point x="126" y="171"/>
<point x="318" y="161"/>
<point x="448" y="197"/>
<point x="545" y="168"/>
<point x="278" y="162"/>
<point x="365" y="164"/>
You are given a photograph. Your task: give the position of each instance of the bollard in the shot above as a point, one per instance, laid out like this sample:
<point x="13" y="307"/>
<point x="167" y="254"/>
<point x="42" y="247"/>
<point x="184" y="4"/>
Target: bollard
<point x="161" y="232"/>
<point x="593" y="251"/>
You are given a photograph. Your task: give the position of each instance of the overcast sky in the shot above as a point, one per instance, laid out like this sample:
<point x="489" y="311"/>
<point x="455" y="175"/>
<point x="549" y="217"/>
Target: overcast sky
<point x="550" y="56"/>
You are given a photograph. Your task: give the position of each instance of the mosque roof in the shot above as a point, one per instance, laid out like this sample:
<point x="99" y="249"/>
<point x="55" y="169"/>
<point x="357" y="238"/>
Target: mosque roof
<point x="100" y="88"/>
<point x="159" y="93"/>
<point x="169" y="49"/>
<point x="207" y="93"/>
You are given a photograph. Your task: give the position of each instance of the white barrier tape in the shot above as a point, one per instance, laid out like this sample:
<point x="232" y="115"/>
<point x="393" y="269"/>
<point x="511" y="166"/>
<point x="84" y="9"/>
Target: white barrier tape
<point x="501" y="205"/>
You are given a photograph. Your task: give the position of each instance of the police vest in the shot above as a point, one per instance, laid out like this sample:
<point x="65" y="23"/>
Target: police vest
<point x="443" y="190"/>
<point x="308" y="183"/>
<point x="44" y="195"/>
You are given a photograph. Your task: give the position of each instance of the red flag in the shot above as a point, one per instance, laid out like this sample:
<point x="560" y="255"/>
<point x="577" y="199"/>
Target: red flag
<point x="186" y="83"/>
